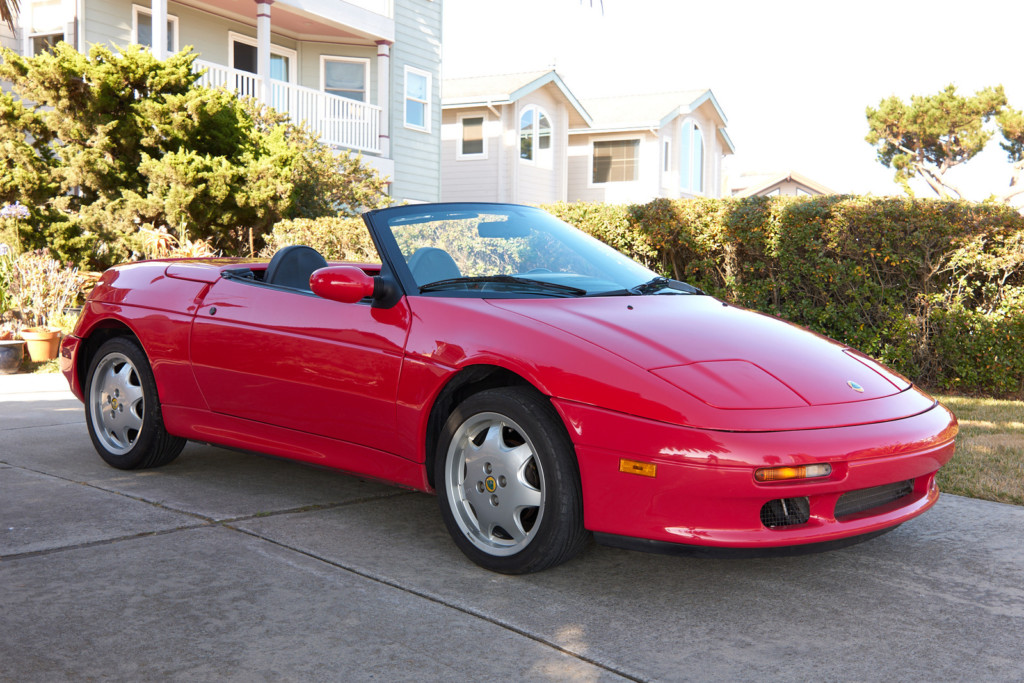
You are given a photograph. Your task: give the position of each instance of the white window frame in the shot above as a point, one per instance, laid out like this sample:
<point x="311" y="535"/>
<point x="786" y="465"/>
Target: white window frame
<point x="42" y="34"/>
<point x="458" y="143"/>
<point x="615" y="138"/>
<point x="427" y="112"/>
<point x="353" y="60"/>
<point x="142" y="9"/>
<point x="539" y="155"/>
<point x="292" y="55"/>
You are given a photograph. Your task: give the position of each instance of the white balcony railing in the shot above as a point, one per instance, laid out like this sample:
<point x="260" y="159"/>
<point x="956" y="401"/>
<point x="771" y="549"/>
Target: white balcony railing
<point x="338" y="121"/>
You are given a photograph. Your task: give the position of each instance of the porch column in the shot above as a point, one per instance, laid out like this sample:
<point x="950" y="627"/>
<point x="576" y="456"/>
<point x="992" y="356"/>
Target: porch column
<point x="158" y="21"/>
<point x="263" y="47"/>
<point x="25" y="19"/>
<point x="384" y="95"/>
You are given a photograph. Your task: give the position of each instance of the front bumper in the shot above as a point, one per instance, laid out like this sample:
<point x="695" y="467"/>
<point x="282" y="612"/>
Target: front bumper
<point x="704" y="492"/>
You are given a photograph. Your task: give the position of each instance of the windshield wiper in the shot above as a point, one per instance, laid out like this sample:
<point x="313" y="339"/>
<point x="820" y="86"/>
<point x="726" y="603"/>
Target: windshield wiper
<point x="511" y="281"/>
<point x="658" y="283"/>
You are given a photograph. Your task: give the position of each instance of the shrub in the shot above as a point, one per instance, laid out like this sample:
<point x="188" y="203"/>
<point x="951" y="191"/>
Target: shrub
<point x="106" y="145"/>
<point x="340" y="239"/>
<point x="609" y="223"/>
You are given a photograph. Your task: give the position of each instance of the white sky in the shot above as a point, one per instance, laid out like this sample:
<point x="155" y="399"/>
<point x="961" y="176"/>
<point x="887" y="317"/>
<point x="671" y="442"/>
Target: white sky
<point x="792" y="76"/>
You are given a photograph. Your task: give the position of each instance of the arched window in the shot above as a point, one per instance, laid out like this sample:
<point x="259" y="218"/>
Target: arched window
<point x="534" y="133"/>
<point x="691" y="159"/>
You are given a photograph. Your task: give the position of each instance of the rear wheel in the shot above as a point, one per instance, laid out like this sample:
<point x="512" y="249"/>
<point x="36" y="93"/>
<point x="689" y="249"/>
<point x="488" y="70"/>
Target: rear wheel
<point x="122" y="409"/>
<point x="508" y="484"/>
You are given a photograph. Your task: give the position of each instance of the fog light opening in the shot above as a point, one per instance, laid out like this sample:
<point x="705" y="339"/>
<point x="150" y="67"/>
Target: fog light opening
<point x="783" y="512"/>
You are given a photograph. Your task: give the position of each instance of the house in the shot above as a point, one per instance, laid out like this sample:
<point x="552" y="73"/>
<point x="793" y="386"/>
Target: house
<point x="363" y="74"/>
<point x="789" y="183"/>
<point x="669" y="144"/>
<point x="506" y="138"/>
<point x="526" y="138"/>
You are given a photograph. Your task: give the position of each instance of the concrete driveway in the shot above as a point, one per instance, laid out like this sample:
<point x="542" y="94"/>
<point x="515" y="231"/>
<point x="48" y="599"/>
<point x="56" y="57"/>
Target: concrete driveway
<point x="229" y="566"/>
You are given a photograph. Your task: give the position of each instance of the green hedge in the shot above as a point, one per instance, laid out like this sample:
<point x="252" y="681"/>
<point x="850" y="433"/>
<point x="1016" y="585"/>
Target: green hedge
<point x="337" y="238"/>
<point x="933" y="288"/>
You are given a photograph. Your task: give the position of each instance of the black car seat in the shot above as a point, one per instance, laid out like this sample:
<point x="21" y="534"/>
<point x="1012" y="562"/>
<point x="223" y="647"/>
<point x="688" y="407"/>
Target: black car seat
<point x="430" y="264"/>
<point x="292" y="266"/>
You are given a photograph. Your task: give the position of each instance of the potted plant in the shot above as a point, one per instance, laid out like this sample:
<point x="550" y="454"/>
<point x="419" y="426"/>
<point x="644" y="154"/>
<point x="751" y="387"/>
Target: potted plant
<point x="11" y="352"/>
<point x="12" y="349"/>
<point x="41" y="288"/>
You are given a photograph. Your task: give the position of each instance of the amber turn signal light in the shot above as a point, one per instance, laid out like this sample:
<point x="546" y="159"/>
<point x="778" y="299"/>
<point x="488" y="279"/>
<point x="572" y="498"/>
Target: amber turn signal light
<point x="644" y="469"/>
<point x="788" y="473"/>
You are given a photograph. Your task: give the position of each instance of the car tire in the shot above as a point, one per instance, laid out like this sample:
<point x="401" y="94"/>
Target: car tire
<point x="508" y="483"/>
<point x="122" y="409"/>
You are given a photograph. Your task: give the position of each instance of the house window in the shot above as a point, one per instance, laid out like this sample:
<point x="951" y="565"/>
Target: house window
<point x="472" y="143"/>
<point x="345" y="77"/>
<point x="691" y="159"/>
<point x="666" y="155"/>
<point x="45" y="43"/>
<point x="534" y="133"/>
<point x="417" y="99"/>
<point x="142" y="28"/>
<point x="245" y="57"/>
<point x="615" y="161"/>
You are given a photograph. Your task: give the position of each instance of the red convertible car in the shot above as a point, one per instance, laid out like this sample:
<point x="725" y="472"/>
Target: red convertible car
<point x="545" y="386"/>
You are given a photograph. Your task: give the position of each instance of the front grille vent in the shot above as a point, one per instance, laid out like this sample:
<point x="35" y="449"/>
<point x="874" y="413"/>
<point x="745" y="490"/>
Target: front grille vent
<point x="785" y="512"/>
<point x="856" y="502"/>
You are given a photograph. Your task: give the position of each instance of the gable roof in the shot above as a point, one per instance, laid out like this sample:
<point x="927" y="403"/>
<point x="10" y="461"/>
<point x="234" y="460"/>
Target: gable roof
<point x="635" y="111"/>
<point x="653" y="110"/>
<point x="507" y="88"/>
<point x="761" y="183"/>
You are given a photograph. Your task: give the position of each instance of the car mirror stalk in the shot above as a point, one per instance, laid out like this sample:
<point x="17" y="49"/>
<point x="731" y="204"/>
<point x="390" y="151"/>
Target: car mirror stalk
<point x="386" y="292"/>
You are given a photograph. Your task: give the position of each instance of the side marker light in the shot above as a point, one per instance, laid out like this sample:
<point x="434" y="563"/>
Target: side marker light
<point x="644" y="469"/>
<point x="788" y="473"/>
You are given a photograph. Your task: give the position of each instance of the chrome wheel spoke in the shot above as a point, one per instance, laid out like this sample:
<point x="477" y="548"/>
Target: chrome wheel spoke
<point x="523" y="495"/>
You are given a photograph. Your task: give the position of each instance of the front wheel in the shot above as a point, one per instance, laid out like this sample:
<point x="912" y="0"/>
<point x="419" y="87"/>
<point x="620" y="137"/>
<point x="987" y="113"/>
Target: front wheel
<point x="122" y="409"/>
<point x="508" y="483"/>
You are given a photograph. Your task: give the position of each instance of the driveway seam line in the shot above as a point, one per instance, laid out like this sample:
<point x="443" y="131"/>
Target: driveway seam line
<point x="439" y="601"/>
<point x="52" y="424"/>
<point x="104" y="541"/>
<point x="205" y="518"/>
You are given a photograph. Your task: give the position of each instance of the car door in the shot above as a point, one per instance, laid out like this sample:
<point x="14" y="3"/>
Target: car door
<point x="291" y="359"/>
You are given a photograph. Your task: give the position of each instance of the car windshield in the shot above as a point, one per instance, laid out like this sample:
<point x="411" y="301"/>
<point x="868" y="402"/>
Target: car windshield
<point x="512" y="250"/>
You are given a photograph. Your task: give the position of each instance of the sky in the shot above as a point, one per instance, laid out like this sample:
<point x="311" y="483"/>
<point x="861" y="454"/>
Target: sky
<point x="793" y="77"/>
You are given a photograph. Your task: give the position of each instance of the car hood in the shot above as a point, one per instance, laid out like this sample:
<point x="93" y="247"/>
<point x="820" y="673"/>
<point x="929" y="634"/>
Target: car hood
<point x="727" y="357"/>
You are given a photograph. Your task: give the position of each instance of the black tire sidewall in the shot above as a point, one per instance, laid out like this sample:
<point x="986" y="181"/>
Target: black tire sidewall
<point x="561" y="532"/>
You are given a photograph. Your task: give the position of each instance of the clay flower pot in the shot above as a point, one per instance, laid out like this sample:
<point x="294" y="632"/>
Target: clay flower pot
<point x="43" y="343"/>
<point x="11" y="353"/>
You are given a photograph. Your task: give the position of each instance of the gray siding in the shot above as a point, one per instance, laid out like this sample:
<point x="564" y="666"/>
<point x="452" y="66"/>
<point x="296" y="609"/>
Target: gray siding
<point x="417" y="154"/>
<point x="8" y="39"/>
<point x="108" y="23"/>
<point x="469" y="180"/>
